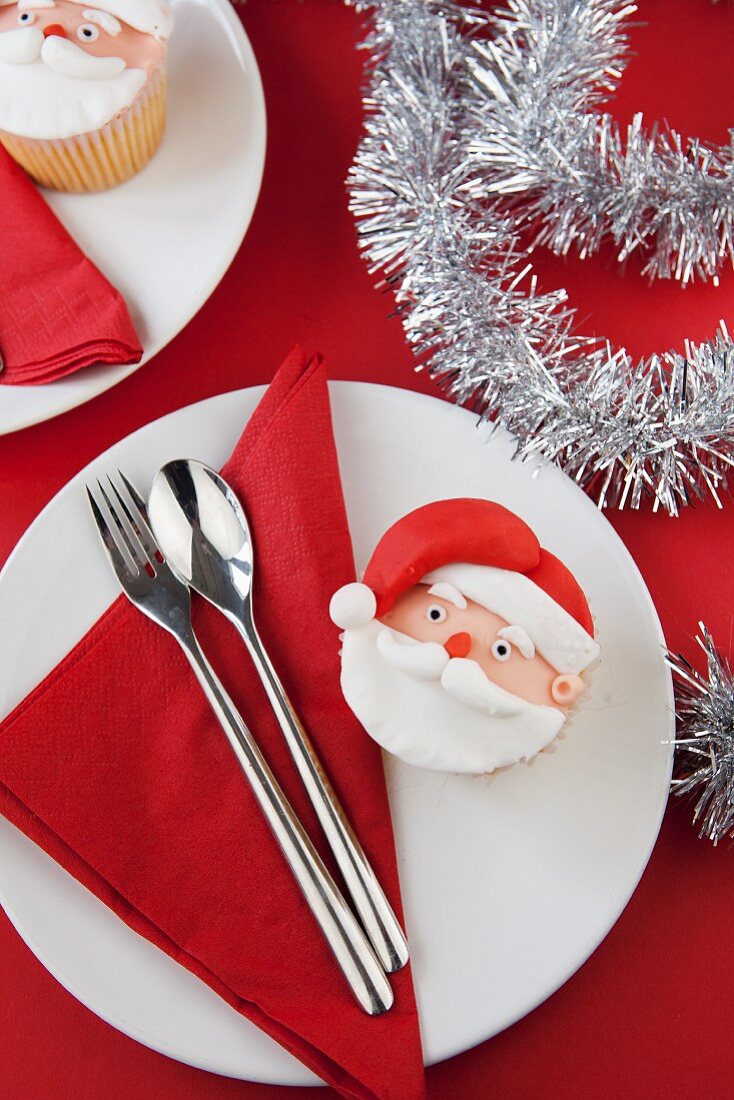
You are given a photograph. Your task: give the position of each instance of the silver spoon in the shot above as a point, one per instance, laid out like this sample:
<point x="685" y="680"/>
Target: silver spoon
<point x="203" y="532"/>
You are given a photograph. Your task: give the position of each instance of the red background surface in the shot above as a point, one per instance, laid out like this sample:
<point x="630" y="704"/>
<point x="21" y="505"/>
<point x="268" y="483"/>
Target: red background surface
<point x="649" y="1013"/>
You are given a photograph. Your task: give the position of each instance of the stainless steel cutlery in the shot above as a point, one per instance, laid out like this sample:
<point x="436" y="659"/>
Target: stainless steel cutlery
<point x="213" y="555"/>
<point x="203" y="531"/>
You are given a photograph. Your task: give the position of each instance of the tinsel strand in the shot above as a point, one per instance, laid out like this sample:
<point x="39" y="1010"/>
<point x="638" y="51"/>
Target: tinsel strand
<point x="704" y="759"/>
<point x="448" y="246"/>
<point x="573" y="177"/>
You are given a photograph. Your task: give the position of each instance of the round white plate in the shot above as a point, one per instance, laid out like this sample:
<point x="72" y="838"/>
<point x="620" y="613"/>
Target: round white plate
<point x="166" y="237"/>
<point x="508" y="884"/>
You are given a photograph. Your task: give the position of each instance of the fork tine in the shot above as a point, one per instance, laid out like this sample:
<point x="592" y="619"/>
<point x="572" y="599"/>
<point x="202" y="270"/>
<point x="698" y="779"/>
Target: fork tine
<point x="119" y="557"/>
<point x="134" y="494"/>
<point x="127" y="516"/>
<point x="122" y="532"/>
<point x="138" y="514"/>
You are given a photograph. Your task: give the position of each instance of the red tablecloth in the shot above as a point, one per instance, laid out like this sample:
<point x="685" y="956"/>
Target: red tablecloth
<point x="648" y="1014"/>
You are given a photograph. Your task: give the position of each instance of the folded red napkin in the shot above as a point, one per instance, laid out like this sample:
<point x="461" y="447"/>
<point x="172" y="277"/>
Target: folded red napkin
<point x="58" y="313"/>
<point x="115" y="766"/>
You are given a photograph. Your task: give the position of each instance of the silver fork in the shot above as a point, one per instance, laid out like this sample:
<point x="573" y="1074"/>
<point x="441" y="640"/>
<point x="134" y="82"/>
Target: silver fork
<point x="148" y="582"/>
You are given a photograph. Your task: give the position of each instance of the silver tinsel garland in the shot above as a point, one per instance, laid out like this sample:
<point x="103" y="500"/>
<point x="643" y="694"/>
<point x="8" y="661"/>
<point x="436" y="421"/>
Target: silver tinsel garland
<point x="448" y="91"/>
<point x="704" y="760"/>
<point x="574" y="178"/>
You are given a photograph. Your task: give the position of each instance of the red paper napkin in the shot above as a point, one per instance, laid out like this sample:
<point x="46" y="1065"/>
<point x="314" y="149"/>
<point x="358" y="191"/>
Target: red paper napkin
<point x="58" y="313"/>
<point x="116" y="767"/>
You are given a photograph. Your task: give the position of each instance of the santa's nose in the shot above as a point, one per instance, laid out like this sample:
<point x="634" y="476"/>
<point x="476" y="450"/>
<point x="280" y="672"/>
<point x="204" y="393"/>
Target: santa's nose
<point x="458" y="645"/>
<point x="54" y="28"/>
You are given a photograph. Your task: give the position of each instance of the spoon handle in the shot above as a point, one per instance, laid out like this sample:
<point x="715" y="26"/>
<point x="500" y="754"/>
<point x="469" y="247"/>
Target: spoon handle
<point x="354" y="955"/>
<point x="380" y="923"/>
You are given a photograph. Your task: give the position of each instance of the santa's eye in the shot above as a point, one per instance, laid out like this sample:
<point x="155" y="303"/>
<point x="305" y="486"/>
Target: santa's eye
<point x="87" y="33"/>
<point x="26" y="18"/>
<point x="436" y="614"/>
<point x="501" y="651"/>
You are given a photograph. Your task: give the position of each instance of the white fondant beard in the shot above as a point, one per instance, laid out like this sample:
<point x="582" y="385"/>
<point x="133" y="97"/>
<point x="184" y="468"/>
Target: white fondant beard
<point x="443" y="714"/>
<point x="37" y="101"/>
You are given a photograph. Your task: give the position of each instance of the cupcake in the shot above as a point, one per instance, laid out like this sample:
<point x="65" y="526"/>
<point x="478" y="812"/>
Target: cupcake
<point x="466" y="644"/>
<point x="83" y="88"/>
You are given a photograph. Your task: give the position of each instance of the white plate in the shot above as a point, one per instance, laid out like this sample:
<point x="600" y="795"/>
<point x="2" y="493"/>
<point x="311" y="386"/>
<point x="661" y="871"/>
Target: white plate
<point x="166" y="237"/>
<point x="508" y="884"/>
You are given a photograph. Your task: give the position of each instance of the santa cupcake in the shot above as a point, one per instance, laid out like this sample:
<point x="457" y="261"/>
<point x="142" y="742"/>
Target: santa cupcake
<point x="466" y="643"/>
<point x="83" y="88"/>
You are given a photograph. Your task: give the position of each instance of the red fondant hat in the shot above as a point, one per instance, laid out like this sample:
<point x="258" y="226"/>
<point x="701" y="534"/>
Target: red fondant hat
<point x="493" y="558"/>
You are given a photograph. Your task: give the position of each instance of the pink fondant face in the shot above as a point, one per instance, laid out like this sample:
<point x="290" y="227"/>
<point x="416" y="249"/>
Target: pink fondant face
<point x="474" y="632"/>
<point x="93" y="31"/>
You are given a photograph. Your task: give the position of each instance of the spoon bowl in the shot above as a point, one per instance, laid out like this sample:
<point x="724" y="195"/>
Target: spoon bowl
<point x="203" y="532"/>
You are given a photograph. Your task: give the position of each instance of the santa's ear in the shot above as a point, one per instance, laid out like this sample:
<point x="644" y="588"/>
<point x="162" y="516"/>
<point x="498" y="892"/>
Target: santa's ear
<point x="567" y="689"/>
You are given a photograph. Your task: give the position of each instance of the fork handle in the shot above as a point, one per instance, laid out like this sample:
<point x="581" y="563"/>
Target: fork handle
<point x="379" y="921"/>
<point x="353" y="953"/>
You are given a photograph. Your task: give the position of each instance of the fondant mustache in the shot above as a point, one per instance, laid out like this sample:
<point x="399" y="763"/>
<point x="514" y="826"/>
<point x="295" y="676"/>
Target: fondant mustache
<point x="421" y="660"/>
<point x="25" y="44"/>
<point x="21" y="45"/>
<point x="460" y="677"/>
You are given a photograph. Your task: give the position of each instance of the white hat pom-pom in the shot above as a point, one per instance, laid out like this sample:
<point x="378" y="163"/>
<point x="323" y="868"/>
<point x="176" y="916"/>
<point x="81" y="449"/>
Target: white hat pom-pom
<point x="353" y="605"/>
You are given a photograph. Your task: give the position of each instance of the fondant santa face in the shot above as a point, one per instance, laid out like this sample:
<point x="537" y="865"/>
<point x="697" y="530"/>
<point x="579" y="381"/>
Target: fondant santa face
<point x="476" y="666"/>
<point x="67" y="67"/>
<point x="504" y="651"/>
